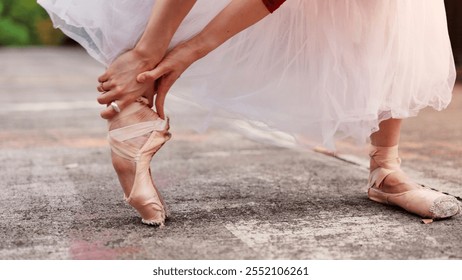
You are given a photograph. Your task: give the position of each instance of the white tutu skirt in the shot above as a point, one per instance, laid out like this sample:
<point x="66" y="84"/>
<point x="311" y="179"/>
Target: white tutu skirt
<point x="314" y="69"/>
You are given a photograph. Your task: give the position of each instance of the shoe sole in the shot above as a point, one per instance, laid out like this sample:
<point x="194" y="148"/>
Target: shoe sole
<point x="153" y="223"/>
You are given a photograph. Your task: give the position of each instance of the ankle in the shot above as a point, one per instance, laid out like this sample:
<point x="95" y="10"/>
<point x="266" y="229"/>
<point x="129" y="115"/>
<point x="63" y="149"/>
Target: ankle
<point x="385" y="157"/>
<point x="142" y="114"/>
<point x="372" y="165"/>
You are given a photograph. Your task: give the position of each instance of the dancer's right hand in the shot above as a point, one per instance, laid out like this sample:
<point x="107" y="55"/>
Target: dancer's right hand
<point x="168" y="71"/>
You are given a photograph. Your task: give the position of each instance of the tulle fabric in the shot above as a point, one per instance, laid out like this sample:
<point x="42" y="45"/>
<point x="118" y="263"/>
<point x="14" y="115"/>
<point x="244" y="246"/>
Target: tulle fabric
<point x="317" y="70"/>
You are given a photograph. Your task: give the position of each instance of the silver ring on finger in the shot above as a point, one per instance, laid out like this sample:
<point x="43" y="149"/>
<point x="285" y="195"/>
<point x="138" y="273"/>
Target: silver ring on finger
<point x="115" y="107"/>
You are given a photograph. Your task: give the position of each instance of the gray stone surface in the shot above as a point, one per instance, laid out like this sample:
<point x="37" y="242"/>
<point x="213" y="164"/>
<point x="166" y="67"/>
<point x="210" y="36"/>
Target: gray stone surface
<point x="229" y="197"/>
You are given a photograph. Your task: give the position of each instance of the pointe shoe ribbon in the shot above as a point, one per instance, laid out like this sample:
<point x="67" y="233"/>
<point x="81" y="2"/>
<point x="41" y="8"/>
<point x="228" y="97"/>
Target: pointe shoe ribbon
<point x="424" y="202"/>
<point x="117" y="138"/>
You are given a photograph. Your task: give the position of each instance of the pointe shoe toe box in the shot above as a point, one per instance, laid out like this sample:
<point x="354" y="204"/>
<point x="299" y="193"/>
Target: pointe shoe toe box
<point x="424" y="202"/>
<point x="153" y="223"/>
<point x="445" y="206"/>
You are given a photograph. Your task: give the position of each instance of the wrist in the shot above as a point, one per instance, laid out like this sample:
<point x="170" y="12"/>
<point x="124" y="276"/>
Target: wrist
<point x="200" y="46"/>
<point x="149" y="55"/>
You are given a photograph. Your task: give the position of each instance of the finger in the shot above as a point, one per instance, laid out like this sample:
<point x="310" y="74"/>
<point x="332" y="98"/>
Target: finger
<point x="100" y="88"/>
<point x="109" y="112"/>
<point x="164" y="86"/>
<point x="160" y="100"/>
<point x="103" y="78"/>
<point x="109" y="96"/>
<point x="152" y="75"/>
<point x="150" y="96"/>
<point x="106" y="86"/>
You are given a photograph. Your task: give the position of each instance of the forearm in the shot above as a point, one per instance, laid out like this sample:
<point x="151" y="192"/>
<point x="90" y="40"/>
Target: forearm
<point x="237" y="16"/>
<point x="165" y="19"/>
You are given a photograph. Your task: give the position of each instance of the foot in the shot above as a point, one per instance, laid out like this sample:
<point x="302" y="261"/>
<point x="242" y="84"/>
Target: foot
<point x="131" y="162"/>
<point x="125" y="168"/>
<point x="396" y="182"/>
<point x="388" y="184"/>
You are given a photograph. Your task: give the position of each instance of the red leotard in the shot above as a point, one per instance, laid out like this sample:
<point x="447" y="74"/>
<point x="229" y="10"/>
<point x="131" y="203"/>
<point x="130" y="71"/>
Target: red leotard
<point x="272" y="5"/>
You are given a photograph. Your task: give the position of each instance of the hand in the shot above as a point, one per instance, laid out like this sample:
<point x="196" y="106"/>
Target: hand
<point x="167" y="72"/>
<point x="119" y="83"/>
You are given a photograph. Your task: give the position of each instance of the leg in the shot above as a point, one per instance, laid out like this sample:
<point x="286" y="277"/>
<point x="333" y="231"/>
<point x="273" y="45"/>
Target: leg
<point x="388" y="184"/>
<point x="125" y="168"/>
<point x="388" y="136"/>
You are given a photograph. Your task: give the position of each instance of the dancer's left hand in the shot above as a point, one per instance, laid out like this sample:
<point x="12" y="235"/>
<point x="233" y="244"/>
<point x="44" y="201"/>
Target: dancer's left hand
<point x="118" y="83"/>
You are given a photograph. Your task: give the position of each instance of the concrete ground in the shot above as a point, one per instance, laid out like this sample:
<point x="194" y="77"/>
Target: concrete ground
<point x="229" y="197"/>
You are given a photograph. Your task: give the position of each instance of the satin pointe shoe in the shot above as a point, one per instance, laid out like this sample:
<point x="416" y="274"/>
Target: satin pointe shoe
<point x="143" y="195"/>
<point x="422" y="201"/>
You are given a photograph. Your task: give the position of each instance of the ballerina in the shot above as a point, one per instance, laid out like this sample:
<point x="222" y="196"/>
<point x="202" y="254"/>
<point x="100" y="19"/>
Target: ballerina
<point x="356" y="66"/>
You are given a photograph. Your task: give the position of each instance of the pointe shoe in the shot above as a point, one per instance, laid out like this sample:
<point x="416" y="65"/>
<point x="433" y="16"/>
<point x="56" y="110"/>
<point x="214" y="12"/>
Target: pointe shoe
<point x="144" y="196"/>
<point x="423" y="201"/>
